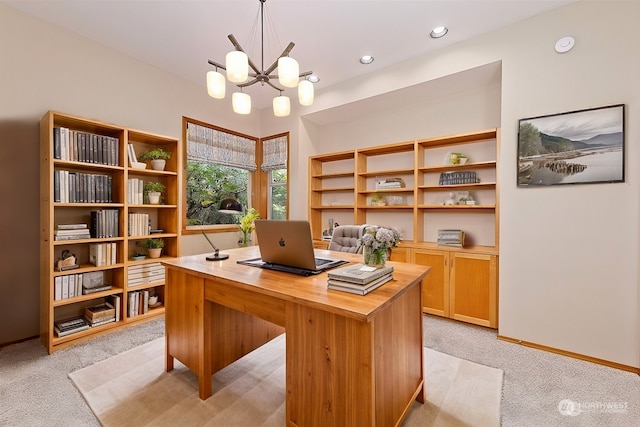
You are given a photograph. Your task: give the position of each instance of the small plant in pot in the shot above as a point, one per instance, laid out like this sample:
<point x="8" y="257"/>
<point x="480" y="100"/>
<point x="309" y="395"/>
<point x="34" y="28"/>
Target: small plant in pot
<point x="158" y="158"/>
<point x="154" y="190"/>
<point x="153" y="246"/>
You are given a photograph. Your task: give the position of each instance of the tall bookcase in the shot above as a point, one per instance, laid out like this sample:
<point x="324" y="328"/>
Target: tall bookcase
<point x="98" y="163"/>
<point x="402" y="185"/>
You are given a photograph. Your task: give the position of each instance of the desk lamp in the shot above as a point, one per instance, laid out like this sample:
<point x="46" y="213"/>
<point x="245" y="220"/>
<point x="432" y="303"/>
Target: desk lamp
<point x="227" y="206"/>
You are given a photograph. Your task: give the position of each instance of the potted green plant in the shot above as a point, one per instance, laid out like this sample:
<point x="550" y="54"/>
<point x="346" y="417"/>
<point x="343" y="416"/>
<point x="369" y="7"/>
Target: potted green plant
<point x="154" y="190"/>
<point x="153" y="246"/>
<point x="158" y="158"/>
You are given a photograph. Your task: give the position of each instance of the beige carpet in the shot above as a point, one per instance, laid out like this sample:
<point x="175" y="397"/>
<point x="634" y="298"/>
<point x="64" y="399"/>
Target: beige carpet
<point x="132" y="389"/>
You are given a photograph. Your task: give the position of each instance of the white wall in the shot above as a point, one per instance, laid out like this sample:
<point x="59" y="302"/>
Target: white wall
<point x="569" y="254"/>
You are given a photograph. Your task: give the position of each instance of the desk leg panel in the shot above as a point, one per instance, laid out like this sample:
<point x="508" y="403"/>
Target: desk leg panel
<point x="399" y="358"/>
<point x="330" y="379"/>
<point x="234" y="334"/>
<point x="185" y="317"/>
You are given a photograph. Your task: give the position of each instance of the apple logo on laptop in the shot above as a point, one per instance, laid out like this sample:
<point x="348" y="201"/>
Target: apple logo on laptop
<point x="281" y="242"/>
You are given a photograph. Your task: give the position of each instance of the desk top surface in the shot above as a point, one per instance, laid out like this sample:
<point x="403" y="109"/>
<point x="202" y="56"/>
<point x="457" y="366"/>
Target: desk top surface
<point x="312" y="290"/>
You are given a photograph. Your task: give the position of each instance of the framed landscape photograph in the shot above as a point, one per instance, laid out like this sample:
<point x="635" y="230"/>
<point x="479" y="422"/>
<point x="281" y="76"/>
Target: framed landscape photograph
<point x="576" y="147"/>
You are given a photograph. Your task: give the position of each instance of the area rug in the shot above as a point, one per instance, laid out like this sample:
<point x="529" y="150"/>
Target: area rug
<point x="132" y="389"/>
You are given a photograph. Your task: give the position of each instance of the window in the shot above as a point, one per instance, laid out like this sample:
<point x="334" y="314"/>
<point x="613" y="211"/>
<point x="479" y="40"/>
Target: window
<point x="275" y="162"/>
<point x="222" y="164"/>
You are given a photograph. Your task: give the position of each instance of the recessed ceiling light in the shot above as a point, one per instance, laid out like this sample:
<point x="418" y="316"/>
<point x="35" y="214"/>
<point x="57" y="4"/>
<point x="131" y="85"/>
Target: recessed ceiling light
<point x="313" y="78"/>
<point x="367" y="59"/>
<point x="438" y="32"/>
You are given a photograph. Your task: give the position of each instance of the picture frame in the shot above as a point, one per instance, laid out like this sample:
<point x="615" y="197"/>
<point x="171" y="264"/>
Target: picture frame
<point x="576" y="147"/>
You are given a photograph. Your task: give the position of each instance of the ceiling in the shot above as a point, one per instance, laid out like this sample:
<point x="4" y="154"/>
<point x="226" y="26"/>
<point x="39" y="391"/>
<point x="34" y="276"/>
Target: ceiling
<point x="179" y="36"/>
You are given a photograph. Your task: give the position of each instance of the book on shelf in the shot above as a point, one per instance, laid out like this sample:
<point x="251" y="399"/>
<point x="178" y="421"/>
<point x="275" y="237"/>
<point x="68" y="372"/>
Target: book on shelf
<point x="86" y="291"/>
<point x="70" y="326"/>
<point x="357" y="289"/>
<point x="131" y="152"/>
<point x="114" y="301"/>
<point x="72" y="226"/>
<point x="359" y="273"/>
<point x="451" y="237"/>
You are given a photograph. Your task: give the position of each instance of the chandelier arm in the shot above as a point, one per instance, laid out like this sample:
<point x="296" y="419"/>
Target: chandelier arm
<point x="305" y="74"/>
<point x="285" y="52"/>
<point x="273" y="86"/>
<point x="235" y="44"/>
<point x="249" y="83"/>
<point x="215" y="64"/>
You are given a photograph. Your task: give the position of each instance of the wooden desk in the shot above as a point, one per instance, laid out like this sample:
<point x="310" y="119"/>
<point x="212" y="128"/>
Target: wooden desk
<point x="350" y="360"/>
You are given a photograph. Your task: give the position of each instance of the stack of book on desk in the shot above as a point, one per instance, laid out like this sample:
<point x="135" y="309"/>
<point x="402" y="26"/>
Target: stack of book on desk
<point x="359" y="278"/>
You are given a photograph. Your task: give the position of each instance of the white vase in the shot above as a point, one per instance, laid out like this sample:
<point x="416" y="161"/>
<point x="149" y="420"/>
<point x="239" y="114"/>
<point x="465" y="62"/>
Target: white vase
<point x="158" y="164"/>
<point x="154" y="198"/>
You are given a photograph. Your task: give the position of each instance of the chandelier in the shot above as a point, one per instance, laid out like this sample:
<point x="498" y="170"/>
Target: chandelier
<point x="242" y="71"/>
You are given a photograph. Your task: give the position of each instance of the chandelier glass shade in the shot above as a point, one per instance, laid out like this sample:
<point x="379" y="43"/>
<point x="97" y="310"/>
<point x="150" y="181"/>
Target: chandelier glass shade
<point x="281" y="106"/>
<point x="216" y="85"/>
<point x="243" y="72"/>
<point x="241" y="103"/>
<point x="305" y="93"/>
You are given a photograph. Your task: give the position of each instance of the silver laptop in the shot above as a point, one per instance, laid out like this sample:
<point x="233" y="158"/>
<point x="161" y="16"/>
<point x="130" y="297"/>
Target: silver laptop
<point x="287" y="246"/>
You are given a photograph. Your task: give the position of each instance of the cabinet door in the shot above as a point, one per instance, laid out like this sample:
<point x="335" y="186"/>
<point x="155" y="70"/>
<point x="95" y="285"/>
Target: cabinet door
<point x="474" y="288"/>
<point x="435" y="285"/>
<point x="400" y="254"/>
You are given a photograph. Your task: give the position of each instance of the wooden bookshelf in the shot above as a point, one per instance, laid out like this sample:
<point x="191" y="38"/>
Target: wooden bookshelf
<point x="100" y="149"/>
<point x="345" y="187"/>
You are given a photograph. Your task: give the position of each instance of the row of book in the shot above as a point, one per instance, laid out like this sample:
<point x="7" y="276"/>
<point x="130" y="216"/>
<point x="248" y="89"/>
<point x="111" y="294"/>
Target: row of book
<point x="451" y="237"/>
<point x="101" y="254"/>
<point x="138" y="303"/>
<point x="80" y="187"/>
<point x="73" y="285"/>
<point x="452" y="178"/>
<point x="86" y="147"/>
<point x="139" y="224"/>
<point x="104" y="223"/>
<point x="358" y="278"/>
<point x="135" y="191"/>
<point x="143" y="274"/>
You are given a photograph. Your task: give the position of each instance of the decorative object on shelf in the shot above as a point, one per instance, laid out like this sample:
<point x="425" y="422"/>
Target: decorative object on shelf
<point x="154" y="190"/>
<point x="138" y="257"/>
<point x="154" y="247"/>
<point x="67" y="261"/>
<point x="464" y="197"/>
<point x="237" y="67"/>
<point x="376" y="243"/>
<point x="153" y="300"/>
<point x="247" y="226"/>
<point x="457" y="159"/>
<point x="554" y="149"/>
<point x="158" y="158"/>
<point x="451" y="200"/>
<point x="378" y="200"/>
